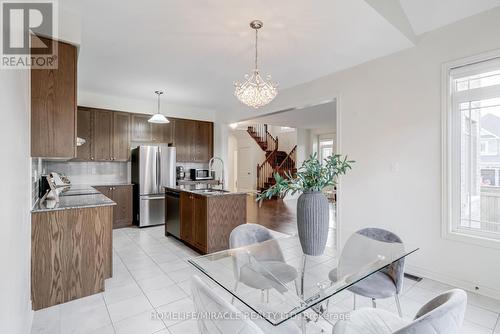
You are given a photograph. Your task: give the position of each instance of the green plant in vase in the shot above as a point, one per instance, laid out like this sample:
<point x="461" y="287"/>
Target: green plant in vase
<point x="312" y="206"/>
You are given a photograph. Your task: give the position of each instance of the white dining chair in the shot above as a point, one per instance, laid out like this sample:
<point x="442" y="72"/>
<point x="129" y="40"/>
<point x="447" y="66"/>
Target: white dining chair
<point x="386" y="283"/>
<point x="217" y="316"/>
<point x="268" y="255"/>
<point x="442" y="315"/>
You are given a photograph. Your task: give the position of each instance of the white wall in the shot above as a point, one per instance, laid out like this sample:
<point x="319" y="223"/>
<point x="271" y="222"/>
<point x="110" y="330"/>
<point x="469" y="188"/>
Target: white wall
<point x="287" y="138"/>
<point x="15" y="199"/>
<point x="391" y="114"/>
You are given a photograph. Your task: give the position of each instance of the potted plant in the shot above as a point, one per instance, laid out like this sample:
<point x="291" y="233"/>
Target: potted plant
<point x="312" y="206"/>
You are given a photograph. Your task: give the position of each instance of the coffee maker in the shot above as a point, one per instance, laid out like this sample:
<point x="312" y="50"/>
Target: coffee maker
<point x="180" y="173"/>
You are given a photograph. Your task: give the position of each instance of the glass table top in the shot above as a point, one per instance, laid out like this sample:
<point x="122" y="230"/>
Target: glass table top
<point x="277" y="281"/>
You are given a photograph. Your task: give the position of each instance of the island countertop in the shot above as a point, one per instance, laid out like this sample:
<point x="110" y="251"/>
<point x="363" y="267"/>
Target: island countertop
<point x="74" y="197"/>
<point x="204" y="190"/>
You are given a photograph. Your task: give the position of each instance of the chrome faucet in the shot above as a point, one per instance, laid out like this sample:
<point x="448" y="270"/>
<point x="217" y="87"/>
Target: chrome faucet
<point x="210" y="168"/>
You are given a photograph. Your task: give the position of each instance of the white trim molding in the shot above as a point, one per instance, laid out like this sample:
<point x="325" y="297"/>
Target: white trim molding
<point x="453" y="281"/>
<point x="448" y="144"/>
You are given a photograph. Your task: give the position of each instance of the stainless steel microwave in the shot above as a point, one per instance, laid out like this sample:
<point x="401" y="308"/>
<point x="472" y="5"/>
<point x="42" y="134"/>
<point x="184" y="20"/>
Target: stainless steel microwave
<point x="200" y="174"/>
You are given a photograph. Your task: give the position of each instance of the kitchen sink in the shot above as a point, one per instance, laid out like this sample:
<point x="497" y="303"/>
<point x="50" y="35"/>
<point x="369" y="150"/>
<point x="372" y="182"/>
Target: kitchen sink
<point x="209" y="191"/>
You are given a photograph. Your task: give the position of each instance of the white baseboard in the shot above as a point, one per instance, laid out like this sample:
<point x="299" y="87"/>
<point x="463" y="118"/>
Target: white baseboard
<point x="456" y="282"/>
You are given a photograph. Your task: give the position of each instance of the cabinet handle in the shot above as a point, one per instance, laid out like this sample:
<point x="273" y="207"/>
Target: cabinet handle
<point x="91" y="158"/>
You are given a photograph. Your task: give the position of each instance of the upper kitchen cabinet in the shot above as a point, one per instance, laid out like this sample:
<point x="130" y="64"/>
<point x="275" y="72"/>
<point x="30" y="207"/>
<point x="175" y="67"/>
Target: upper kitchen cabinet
<point x="102" y="135"/>
<point x="121" y="136"/>
<point x="142" y="130"/>
<point x="184" y="139"/>
<point x="193" y="140"/>
<point x="84" y="131"/>
<point x="106" y="134"/>
<point x="53" y="106"/>
<point x="204" y="136"/>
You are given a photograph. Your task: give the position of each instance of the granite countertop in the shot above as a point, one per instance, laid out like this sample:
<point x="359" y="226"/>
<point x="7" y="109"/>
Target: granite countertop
<point x="74" y="197"/>
<point x="199" y="188"/>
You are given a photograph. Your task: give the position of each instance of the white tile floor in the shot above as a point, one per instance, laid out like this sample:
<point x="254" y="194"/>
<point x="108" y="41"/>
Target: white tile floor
<point x="151" y="273"/>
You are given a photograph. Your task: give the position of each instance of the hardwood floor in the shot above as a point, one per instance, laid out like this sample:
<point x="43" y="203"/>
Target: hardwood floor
<point x="280" y="215"/>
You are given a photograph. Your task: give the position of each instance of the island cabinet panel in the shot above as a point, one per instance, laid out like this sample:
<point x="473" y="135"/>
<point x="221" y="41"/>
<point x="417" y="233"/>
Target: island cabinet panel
<point x="224" y="213"/>
<point x="187" y="217"/>
<point x="71" y="254"/>
<point x="200" y="223"/>
<point x="53" y="106"/>
<point x="121" y="136"/>
<point x="84" y="131"/>
<point x="207" y="221"/>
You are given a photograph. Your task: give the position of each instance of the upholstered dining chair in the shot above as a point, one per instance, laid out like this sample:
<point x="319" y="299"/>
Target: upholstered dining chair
<point x="268" y="255"/>
<point x="383" y="284"/>
<point x="206" y="302"/>
<point x="442" y="315"/>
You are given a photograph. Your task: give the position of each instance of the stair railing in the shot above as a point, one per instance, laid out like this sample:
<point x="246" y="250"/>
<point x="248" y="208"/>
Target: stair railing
<point x="267" y="168"/>
<point x="288" y="164"/>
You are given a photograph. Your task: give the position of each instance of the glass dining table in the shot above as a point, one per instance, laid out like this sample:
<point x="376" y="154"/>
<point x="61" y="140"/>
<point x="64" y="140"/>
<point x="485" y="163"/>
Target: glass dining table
<point x="314" y="281"/>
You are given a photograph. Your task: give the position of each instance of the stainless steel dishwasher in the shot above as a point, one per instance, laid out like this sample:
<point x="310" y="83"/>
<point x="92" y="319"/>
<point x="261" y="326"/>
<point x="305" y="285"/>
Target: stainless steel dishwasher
<point x="173" y="219"/>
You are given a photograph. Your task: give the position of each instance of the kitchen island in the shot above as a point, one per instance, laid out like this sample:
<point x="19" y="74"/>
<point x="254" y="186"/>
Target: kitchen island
<point x="71" y="246"/>
<point x="204" y="216"/>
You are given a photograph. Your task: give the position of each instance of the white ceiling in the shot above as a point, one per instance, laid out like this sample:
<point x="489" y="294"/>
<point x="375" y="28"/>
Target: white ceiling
<point x="322" y="116"/>
<point x="196" y="49"/>
<point x="427" y="15"/>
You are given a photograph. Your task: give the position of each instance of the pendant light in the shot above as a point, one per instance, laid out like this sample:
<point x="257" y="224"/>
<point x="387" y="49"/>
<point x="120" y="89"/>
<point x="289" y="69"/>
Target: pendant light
<point x="158" y="118"/>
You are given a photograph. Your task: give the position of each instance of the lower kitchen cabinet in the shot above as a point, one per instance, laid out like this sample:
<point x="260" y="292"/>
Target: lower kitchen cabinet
<point x="71" y="254"/>
<point x="193" y="220"/>
<point x="207" y="221"/>
<point x="123" y="210"/>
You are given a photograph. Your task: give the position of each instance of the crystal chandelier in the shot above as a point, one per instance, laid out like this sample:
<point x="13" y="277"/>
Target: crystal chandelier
<point x="256" y="91"/>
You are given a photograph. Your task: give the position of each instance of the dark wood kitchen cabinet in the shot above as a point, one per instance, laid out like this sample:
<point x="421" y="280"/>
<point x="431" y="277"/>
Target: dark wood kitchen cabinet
<point x="204" y="136"/>
<point x="84" y="131"/>
<point x="184" y="139"/>
<point x="53" y="106"/>
<point x="121" y="137"/>
<point x="102" y="135"/>
<point x="142" y="130"/>
<point x="71" y="254"/>
<point x="193" y="216"/>
<point x="193" y="140"/>
<point x="122" y="196"/>
<point x="107" y="135"/>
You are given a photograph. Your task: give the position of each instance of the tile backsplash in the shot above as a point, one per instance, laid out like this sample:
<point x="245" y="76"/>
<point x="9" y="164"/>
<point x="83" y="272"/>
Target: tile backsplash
<point x="80" y="173"/>
<point x="90" y="173"/>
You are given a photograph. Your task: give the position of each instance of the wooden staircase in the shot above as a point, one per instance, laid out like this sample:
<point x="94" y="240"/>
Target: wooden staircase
<point x="276" y="161"/>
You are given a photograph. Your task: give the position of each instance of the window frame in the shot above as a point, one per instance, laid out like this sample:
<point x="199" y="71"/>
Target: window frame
<point x="449" y="141"/>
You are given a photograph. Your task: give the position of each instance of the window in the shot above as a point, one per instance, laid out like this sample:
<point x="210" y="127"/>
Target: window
<point x="325" y="149"/>
<point x="472" y="167"/>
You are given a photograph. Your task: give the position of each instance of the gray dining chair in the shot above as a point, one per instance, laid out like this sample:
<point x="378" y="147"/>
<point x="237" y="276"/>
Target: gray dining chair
<point x="207" y="302"/>
<point x="268" y="255"/>
<point x="383" y="284"/>
<point x="442" y="315"/>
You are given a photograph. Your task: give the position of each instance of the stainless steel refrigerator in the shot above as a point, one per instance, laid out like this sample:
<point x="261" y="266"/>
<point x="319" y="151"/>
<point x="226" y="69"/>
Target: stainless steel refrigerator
<point x="153" y="168"/>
